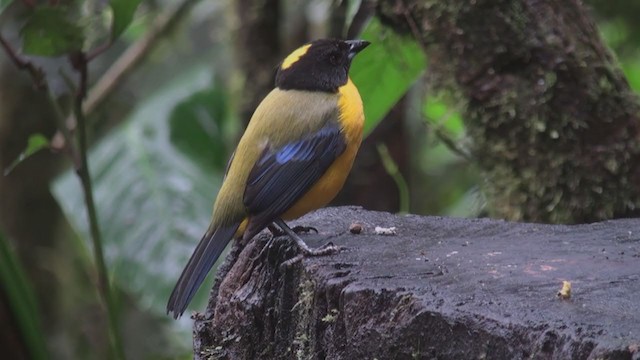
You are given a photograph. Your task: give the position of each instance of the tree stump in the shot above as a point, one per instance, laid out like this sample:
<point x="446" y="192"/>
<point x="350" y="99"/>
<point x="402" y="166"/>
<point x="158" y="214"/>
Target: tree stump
<point x="439" y="288"/>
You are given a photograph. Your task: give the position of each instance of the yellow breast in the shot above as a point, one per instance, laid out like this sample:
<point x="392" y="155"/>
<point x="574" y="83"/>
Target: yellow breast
<point x="327" y="187"/>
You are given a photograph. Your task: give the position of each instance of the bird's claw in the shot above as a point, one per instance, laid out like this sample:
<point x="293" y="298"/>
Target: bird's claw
<point x="326" y="249"/>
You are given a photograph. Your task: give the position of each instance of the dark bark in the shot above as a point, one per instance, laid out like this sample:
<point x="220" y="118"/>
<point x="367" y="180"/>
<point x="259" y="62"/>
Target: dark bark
<point x="12" y="344"/>
<point x="257" y="50"/>
<point x="24" y="192"/>
<point x="554" y="125"/>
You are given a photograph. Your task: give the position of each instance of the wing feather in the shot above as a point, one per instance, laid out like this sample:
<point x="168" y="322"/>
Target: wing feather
<point x="282" y="176"/>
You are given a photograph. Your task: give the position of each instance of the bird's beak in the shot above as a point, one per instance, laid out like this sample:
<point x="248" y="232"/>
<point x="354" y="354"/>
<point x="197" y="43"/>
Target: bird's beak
<point x="355" y="46"/>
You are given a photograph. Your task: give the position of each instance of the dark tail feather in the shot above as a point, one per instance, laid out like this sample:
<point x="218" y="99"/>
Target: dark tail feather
<point x="202" y="260"/>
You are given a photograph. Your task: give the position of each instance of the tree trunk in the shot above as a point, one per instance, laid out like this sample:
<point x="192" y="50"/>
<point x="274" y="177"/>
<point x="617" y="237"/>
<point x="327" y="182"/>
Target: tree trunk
<point x="554" y="124"/>
<point x="440" y="288"/>
<point x="257" y="48"/>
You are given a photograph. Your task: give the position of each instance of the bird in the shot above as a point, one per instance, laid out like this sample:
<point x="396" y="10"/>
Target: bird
<point x="293" y="157"/>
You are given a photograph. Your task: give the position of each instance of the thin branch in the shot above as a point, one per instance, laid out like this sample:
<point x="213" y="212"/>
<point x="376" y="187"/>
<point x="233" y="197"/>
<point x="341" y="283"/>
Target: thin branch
<point x="36" y="73"/>
<point x="40" y="82"/>
<point x="99" y="50"/>
<point x="79" y="63"/>
<point x="391" y="167"/>
<point x="69" y="145"/>
<point x="134" y="55"/>
<point x="447" y="140"/>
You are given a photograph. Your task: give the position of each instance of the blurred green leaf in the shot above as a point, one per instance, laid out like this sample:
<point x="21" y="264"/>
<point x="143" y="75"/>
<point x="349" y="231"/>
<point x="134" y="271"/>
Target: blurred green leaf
<point x="385" y="70"/>
<point x="49" y="31"/>
<point x="4" y="4"/>
<point x="137" y="28"/>
<point x="615" y="32"/>
<point x="439" y="113"/>
<point x="123" y="11"/>
<point x="391" y="167"/>
<point x="631" y="69"/>
<point x="352" y="10"/>
<point x="197" y="127"/>
<point x="154" y="203"/>
<point x="22" y="300"/>
<point x="35" y="143"/>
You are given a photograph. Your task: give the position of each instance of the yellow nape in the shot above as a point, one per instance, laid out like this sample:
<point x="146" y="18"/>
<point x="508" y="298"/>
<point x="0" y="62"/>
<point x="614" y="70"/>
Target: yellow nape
<point x="294" y="56"/>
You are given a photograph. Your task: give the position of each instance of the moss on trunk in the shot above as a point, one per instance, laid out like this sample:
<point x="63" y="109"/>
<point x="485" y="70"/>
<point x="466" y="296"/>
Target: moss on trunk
<point x="554" y="124"/>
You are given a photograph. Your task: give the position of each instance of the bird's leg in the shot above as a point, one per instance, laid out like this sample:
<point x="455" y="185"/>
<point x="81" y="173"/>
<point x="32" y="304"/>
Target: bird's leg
<point x="275" y="232"/>
<point x="296" y="229"/>
<point x="327" y="249"/>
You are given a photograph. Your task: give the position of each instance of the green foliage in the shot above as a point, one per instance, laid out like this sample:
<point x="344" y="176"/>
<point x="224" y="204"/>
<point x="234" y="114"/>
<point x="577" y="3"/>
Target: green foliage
<point x="154" y="203"/>
<point x="385" y="70"/>
<point x="57" y="30"/>
<point x="34" y="143"/>
<point x="123" y="11"/>
<point x="619" y="36"/>
<point x="49" y="31"/>
<point x="22" y="301"/>
<point x="197" y="127"/>
<point x="4" y="4"/>
<point x="391" y="168"/>
<point x="631" y="68"/>
<point x="442" y="114"/>
<point x="450" y="182"/>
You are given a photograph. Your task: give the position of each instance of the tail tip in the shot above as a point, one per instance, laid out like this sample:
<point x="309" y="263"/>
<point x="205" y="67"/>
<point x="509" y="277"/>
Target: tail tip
<point x="174" y="313"/>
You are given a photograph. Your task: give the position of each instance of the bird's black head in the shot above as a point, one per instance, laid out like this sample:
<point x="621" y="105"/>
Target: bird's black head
<point x="321" y="65"/>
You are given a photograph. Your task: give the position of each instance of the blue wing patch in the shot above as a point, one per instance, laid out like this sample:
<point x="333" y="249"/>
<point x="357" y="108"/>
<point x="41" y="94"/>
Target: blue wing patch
<point x="282" y="176"/>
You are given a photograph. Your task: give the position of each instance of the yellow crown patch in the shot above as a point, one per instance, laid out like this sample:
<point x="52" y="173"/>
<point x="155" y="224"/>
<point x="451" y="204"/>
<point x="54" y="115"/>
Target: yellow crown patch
<point x="294" y="56"/>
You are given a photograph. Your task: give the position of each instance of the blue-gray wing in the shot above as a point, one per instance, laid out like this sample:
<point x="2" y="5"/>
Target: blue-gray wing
<point x="282" y="176"/>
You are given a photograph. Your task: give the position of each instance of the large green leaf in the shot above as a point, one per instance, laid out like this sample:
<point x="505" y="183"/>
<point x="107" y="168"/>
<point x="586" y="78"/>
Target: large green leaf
<point x="153" y="202"/>
<point x="50" y="31"/>
<point x="123" y="11"/>
<point x="22" y="301"/>
<point x="197" y="126"/>
<point x="385" y="70"/>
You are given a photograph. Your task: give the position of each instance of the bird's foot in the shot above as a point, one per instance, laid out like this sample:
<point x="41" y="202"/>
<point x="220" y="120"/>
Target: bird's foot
<point x="327" y="249"/>
<point x="305" y="250"/>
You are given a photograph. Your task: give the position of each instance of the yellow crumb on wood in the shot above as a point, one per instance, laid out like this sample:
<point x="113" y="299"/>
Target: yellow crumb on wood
<point x="565" y="292"/>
